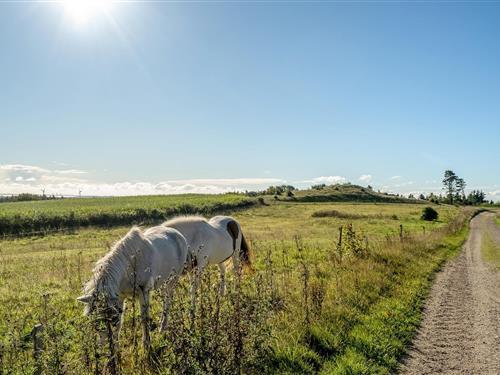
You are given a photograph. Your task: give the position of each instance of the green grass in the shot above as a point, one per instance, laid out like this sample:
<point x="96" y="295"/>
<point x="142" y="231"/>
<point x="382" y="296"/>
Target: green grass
<point x="490" y="250"/>
<point x="25" y="217"/>
<point x="305" y="309"/>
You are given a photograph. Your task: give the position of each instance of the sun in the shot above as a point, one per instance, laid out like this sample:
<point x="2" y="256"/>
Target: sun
<point x="81" y="12"/>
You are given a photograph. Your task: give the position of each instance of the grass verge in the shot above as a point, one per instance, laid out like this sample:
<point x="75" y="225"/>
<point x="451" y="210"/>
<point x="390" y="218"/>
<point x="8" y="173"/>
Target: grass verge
<point x="490" y="250"/>
<point x="367" y="323"/>
<point x="377" y="342"/>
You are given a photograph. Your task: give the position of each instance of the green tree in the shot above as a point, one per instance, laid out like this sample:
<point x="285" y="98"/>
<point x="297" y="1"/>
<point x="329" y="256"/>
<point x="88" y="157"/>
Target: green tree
<point x="476" y="197"/>
<point x="460" y="188"/>
<point x="449" y="182"/>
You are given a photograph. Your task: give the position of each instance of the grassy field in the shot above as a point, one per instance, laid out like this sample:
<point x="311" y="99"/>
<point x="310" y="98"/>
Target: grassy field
<point x="34" y="216"/>
<point x="312" y="305"/>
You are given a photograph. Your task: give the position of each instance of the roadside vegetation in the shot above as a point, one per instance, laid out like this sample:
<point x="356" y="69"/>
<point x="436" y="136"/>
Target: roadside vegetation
<point x="490" y="250"/>
<point x="329" y="294"/>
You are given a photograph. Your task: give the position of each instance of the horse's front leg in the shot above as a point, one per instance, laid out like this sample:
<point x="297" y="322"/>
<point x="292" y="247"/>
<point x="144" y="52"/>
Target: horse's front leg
<point x="117" y="329"/>
<point x="144" y="301"/>
<point x="222" y="287"/>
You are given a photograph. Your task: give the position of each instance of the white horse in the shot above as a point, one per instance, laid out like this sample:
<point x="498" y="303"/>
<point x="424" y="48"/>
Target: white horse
<point x="213" y="242"/>
<point x="135" y="265"/>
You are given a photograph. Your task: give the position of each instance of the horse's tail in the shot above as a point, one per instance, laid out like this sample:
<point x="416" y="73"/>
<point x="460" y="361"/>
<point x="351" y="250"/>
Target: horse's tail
<point x="246" y="254"/>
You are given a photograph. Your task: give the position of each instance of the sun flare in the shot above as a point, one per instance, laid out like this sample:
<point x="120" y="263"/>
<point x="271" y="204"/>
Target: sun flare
<point x="81" y="12"/>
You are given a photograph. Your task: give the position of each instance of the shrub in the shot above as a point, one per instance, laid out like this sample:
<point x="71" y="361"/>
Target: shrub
<point x="429" y="214"/>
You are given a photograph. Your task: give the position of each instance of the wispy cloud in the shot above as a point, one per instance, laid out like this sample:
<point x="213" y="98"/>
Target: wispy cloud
<point x="495" y="193"/>
<point x="70" y="171"/>
<point x="22" y="168"/>
<point x="365" y="178"/>
<point x="34" y="175"/>
<point x="229" y="181"/>
<point x="326" y="180"/>
<point x="396" y="177"/>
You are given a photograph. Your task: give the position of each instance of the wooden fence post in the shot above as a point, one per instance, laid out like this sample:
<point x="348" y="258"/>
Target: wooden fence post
<point x="37" y="347"/>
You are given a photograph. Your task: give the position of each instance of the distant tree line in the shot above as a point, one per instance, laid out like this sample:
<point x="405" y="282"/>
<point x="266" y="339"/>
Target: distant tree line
<point x="454" y="192"/>
<point x="318" y="187"/>
<point x="454" y="187"/>
<point x="277" y="190"/>
<point x="25" y="197"/>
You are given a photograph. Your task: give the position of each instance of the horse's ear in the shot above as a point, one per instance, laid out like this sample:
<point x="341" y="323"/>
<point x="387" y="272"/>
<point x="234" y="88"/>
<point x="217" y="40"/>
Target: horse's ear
<point x="84" y="299"/>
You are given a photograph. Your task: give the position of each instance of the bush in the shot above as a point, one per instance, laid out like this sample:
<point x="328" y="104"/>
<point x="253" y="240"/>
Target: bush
<point x="429" y="214"/>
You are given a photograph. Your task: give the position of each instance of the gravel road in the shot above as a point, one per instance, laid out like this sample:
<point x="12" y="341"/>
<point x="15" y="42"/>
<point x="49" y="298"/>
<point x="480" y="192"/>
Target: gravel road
<point x="460" y="331"/>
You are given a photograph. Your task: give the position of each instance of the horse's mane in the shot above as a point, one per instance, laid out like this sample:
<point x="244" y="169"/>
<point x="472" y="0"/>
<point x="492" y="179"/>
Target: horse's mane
<point x="184" y="219"/>
<point x="109" y="269"/>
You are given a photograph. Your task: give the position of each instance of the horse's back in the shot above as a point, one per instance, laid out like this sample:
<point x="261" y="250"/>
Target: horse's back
<point x="169" y="244"/>
<point x="221" y="221"/>
<point x="196" y="230"/>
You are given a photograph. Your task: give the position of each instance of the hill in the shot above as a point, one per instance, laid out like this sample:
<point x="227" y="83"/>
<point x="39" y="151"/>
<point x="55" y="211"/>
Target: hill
<point x="345" y="193"/>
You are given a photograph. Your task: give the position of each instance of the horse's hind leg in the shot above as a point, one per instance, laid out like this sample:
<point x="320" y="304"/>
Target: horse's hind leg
<point x="167" y="302"/>
<point x="144" y="300"/>
<point x="196" y="281"/>
<point x="222" y="287"/>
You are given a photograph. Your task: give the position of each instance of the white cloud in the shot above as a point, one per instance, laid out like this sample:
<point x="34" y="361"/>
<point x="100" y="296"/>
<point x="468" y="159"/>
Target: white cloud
<point x="365" y="178"/>
<point x="18" y="178"/>
<point x="36" y="176"/>
<point x="327" y="180"/>
<point x="395" y="177"/>
<point x="114" y="189"/>
<point x="31" y="174"/>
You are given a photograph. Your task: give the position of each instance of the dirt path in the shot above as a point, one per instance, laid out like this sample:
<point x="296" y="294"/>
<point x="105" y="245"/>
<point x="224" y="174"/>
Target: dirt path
<point x="460" y="332"/>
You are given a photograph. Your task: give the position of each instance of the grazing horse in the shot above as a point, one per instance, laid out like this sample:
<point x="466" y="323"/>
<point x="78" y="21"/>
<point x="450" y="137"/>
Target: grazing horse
<point x="136" y="264"/>
<point x="213" y="241"/>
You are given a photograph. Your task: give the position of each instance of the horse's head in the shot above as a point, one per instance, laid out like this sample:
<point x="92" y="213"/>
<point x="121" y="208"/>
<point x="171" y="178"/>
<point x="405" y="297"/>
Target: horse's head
<point x="106" y="309"/>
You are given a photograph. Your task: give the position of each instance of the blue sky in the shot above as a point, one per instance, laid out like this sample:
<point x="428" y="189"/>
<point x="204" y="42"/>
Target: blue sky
<point x="170" y="97"/>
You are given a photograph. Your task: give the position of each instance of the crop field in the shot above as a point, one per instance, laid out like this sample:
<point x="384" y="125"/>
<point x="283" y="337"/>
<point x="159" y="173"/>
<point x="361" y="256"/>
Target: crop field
<point x="320" y="299"/>
<point x="48" y="215"/>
